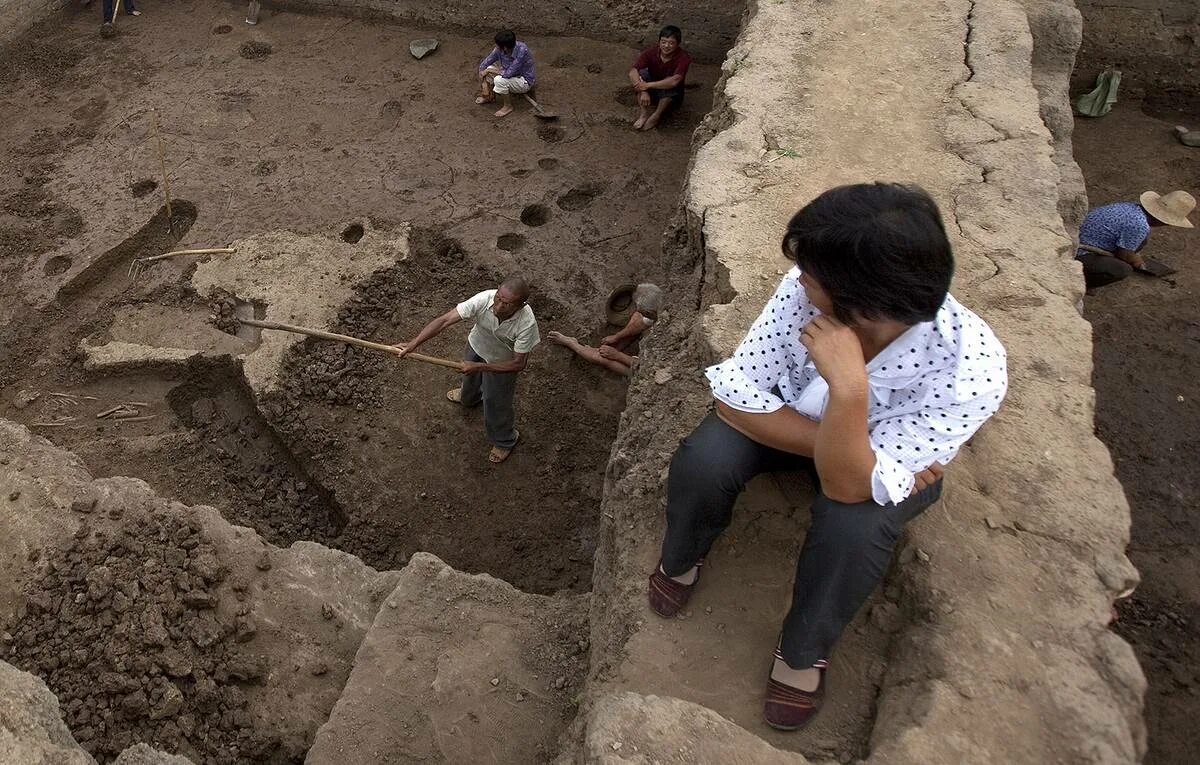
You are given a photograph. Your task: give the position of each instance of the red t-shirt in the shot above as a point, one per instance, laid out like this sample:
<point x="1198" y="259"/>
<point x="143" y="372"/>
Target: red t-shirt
<point x="661" y="70"/>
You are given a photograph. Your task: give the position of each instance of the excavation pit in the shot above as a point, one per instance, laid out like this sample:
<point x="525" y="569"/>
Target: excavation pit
<point x="291" y="146"/>
<point x="327" y="443"/>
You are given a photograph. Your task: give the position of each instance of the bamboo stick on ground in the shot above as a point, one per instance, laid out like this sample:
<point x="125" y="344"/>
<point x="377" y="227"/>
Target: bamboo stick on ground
<point x="456" y="365"/>
<point x="162" y="163"/>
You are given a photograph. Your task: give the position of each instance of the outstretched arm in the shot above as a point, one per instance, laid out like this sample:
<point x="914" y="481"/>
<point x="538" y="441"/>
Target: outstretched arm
<point x="633" y="328"/>
<point x="432" y="329"/>
<point x="516" y="364"/>
<point x="1132" y="257"/>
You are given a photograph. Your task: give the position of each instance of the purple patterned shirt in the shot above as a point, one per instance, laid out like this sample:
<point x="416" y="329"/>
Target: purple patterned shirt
<point x="517" y="64"/>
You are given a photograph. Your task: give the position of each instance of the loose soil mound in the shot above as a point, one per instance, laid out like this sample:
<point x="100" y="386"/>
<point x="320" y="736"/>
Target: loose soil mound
<point x="128" y="628"/>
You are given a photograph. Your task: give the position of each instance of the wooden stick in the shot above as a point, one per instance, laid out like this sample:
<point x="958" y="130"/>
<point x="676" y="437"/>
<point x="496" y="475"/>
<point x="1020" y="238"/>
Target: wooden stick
<point x="162" y="163"/>
<point x="173" y="253"/>
<point x="456" y="365"/>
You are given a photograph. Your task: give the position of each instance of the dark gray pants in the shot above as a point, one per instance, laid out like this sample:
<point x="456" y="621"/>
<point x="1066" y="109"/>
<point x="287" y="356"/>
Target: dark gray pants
<point x="845" y="554"/>
<point x="1099" y="270"/>
<point x="496" y="390"/>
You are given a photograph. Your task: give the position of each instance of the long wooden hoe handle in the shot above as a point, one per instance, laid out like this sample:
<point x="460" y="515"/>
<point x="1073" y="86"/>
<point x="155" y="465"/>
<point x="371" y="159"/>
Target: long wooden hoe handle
<point x="455" y="365"/>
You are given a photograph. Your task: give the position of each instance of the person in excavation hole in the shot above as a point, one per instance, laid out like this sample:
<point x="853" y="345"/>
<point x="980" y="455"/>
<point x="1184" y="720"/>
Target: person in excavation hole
<point x="861" y="366"/>
<point x="1111" y="237"/>
<point x="658" y="77"/>
<point x="506" y="70"/>
<point x="611" y="354"/>
<point x="498" y="349"/>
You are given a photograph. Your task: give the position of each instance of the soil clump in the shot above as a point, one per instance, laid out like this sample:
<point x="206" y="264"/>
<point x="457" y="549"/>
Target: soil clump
<point x="131" y="628"/>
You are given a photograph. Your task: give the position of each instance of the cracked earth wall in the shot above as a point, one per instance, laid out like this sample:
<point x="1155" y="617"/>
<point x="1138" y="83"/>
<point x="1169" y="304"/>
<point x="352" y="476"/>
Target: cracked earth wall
<point x="1155" y="44"/>
<point x="1006" y="585"/>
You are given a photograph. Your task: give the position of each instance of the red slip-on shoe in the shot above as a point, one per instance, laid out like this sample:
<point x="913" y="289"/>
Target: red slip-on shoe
<point x="788" y="708"/>
<point x="668" y="597"/>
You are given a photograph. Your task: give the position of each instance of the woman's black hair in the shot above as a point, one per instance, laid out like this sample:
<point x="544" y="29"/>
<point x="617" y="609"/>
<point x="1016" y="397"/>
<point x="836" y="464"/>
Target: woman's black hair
<point x="506" y="39"/>
<point x="878" y="249"/>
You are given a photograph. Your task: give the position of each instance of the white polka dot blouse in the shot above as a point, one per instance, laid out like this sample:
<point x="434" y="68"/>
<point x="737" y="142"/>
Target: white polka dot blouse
<point x="931" y="389"/>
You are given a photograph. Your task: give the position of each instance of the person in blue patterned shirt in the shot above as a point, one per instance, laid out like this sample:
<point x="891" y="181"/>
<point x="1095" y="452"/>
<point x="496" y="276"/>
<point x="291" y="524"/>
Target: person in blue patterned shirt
<point x="1112" y="237"/>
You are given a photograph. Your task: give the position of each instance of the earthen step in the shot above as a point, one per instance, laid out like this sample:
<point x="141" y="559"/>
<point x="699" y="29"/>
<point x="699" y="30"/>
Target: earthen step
<point x="459" y="668"/>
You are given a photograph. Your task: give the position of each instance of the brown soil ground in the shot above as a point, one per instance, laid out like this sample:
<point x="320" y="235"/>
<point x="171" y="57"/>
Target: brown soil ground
<point x="1147" y="351"/>
<point x="309" y="123"/>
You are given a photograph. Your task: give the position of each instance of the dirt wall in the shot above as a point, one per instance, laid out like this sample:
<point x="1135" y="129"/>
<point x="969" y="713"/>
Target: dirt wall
<point x="709" y="26"/>
<point x="1004" y="588"/>
<point x="1155" y="44"/>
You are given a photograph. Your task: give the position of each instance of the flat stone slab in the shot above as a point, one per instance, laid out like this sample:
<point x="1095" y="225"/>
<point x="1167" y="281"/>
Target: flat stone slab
<point x="117" y="356"/>
<point x="422" y="48"/>
<point x="458" y="668"/>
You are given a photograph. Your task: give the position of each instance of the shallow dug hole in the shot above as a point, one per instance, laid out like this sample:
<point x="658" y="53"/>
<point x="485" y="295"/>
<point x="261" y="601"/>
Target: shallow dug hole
<point x="510" y="242"/>
<point x="535" y="215"/>
<point x="353" y="233"/>
<point x="59" y="264"/>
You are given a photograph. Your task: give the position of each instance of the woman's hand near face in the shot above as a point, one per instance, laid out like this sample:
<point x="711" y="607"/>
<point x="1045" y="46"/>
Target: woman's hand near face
<point x="837" y="353"/>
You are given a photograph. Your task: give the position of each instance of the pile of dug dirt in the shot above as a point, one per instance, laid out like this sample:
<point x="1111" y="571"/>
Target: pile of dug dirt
<point x="129" y="629"/>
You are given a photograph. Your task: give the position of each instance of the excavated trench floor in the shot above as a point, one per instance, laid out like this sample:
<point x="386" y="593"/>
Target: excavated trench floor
<point x="289" y="132"/>
<point x="1147" y="346"/>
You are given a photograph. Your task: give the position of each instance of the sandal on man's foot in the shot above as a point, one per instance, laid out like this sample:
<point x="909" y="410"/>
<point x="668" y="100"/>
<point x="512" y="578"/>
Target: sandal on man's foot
<point x="789" y="708"/>
<point x="667" y="596"/>
<point x="498" y="454"/>
<point x="455" y="395"/>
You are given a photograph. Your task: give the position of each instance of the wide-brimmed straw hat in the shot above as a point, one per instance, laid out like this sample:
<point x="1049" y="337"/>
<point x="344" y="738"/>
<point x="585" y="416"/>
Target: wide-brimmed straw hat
<point x="1172" y="209"/>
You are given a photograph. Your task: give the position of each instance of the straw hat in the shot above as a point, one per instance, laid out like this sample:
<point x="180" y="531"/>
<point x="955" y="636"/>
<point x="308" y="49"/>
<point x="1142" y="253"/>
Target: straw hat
<point x="1172" y="208"/>
<point x="619" y="306"/>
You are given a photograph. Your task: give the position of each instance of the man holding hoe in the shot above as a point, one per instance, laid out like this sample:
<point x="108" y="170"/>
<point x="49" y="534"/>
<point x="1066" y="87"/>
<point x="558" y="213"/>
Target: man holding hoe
<point x="498" y="349"/>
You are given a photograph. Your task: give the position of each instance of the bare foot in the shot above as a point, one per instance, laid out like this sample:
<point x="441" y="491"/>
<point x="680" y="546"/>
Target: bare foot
<point x="558" y="337"/>
<point x="651" y="122"/>
<point x="637" y="124"/>
<point x="504" y="111"/>
<point x="482" y="100"/>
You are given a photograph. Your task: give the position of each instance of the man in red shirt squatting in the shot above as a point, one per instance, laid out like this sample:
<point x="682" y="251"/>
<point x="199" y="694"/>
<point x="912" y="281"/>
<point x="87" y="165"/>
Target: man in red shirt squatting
<point x="658" y="76"/>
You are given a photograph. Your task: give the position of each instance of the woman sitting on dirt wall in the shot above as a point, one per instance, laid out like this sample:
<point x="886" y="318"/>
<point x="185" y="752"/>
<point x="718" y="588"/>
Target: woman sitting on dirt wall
<point x="861" y="368"/>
